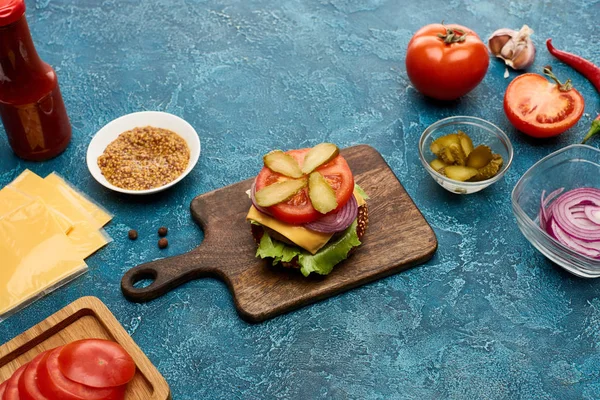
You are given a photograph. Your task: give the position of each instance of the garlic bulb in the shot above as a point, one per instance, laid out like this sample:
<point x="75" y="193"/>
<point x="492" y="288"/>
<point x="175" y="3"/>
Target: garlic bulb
<point x="515" y="48"/>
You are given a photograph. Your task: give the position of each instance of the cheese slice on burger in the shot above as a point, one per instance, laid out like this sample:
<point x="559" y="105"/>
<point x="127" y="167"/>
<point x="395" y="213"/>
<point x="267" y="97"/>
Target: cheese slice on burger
<point x="310" y="241"/>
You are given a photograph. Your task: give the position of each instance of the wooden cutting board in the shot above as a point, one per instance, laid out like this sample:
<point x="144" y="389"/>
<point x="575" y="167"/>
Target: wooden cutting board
<point x="85" y="318"/>
<point x="398" y="237"/>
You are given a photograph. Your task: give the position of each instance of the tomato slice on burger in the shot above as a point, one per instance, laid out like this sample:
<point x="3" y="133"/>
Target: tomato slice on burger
<point x="97" y="363"/>
<point x="540" y="108"/>
<point x="28" y="387"/>
<point x="299" y="210"/>
<point x="11" y="391"/>
<point x="55" y="386"/>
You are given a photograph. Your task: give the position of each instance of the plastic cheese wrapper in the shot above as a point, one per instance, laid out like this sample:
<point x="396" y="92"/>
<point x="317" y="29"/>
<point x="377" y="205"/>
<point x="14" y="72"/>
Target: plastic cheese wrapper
<point x="99" y="213"/>
<point x="11" y="199"/>
<point x="37" y="256"/>
<point x="86" y="235"/>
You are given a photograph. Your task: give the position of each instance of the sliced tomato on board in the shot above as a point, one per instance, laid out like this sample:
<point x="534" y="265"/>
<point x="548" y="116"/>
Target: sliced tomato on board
<point x="538" y="108"/>
<point x="97" y="363"/>
<point x="55" y="386"/>
<point x="28" y="386"/>
<point x="299" y="210"/>
<point x="11" y="391"/>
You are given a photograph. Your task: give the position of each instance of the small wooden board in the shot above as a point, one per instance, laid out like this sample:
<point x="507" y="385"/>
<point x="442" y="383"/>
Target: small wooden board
<point x="85" y="318"/>
<point x="398" y="237"/>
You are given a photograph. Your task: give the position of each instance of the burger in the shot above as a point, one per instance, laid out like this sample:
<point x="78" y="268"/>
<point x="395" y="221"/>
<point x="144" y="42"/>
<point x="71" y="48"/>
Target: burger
<point x="307" y="213"/>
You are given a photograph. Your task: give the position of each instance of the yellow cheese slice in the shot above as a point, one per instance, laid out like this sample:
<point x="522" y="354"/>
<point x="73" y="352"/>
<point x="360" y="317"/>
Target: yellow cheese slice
<point x="309" y="240"/>
<point x="38" y="256"/>
<point x="98" y="213"/>
<point x="359" y="198"/>
<point x="85" y="235"/>
<point x="11" y="199"/>
<point x="62" y="201"/>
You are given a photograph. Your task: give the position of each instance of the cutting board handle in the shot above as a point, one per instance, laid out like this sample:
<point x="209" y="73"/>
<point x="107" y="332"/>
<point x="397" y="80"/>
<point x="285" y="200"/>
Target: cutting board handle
<point x="166" y="274"/>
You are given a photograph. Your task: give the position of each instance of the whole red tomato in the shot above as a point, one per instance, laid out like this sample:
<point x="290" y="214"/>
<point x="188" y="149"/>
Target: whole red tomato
<point x="446" y="61"/>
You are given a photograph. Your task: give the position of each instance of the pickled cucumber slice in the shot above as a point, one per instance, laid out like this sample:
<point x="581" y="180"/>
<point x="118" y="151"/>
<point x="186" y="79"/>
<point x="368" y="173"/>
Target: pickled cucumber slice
<point x="319" y="155"/>
<point x="458" y="154"/>
<point x="480" y="157"/>
<point x="440" y="143"/>
<point x="490" y="170"/>
<point x="465" y="142"/>
<point x="459" y="160"/>
<point x="322" y="195"/>
<point x="437" y="164"/>
<point x="279" y="192"/>
<point x="278" y="161"/>
<point x="459" y="172"/>
<point x="446" y="156"/>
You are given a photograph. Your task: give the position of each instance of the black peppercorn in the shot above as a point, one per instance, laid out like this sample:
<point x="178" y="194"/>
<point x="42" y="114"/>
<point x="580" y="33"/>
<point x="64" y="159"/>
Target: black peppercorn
<point x="163" y="243"/>
<point x="132" y="234"/>
<point x="162" y="231"/>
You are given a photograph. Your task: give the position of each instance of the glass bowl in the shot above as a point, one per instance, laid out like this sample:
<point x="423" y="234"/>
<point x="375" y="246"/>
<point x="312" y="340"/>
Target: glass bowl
<point x="572" y="167"/>
<point x="481" y="132"/>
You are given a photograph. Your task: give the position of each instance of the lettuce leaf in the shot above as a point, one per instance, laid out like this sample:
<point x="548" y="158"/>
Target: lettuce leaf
<point x="360" y="191"/>
<point x="321" y="263"/>
<point x="278" y="251"/>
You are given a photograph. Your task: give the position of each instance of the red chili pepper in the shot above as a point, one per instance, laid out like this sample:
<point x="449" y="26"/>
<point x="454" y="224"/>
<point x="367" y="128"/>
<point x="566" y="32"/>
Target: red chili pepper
<point x="594" y="129"/>
<point x="580" y="64"/>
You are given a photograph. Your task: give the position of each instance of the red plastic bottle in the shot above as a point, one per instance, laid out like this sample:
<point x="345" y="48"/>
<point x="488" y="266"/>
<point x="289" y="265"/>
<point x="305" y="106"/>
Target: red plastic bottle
<point x="31" y="106"/>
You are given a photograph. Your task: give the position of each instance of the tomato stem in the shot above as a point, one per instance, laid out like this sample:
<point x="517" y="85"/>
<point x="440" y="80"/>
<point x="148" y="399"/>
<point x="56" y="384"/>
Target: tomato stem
<point x="453" y="35"/>
<point x="594" y="129"/>
<point x="563" y="87"/>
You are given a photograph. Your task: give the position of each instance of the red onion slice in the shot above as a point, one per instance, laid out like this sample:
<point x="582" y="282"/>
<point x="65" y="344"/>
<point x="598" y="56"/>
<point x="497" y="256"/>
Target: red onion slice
<point x="592" y="213"/>
<point x="338" y="221"/>
<point x="562" y="213"/>
<point x="573" y="219"/>
<point x="573" y="243"/>
<point x="545" y="215"/>
<point x="542" y="214"/>
<point x="578" y="208"/>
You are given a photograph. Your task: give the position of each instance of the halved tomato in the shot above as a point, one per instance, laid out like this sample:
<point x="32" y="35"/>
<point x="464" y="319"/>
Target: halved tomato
<point x="299" y="210"/>
<point x="97" y="363"/>
<point x="3" y="388"/>
<point x="539" y="108"/>
<point x="28" y="386"/>
<point x="11" y="391"/>
<point x="55" y="386"/>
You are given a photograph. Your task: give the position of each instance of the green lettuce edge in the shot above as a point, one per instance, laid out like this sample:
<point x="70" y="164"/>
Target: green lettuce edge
<point x="362" y="193"/>
<point x="321" y="263"/>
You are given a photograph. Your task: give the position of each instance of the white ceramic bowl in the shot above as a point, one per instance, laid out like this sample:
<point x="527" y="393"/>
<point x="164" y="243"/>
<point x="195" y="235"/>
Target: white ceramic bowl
<point x="157" y="119"/>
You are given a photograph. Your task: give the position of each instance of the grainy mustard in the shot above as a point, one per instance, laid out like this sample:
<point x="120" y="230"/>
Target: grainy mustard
<point x="144" y="158"/>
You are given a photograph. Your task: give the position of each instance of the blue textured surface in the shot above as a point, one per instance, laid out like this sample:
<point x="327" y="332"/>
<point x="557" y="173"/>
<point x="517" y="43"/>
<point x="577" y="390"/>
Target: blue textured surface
<point x="487" y="318"/>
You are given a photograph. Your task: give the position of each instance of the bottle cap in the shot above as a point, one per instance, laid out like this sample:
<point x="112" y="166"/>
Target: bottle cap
<point x="11" y="11"/>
